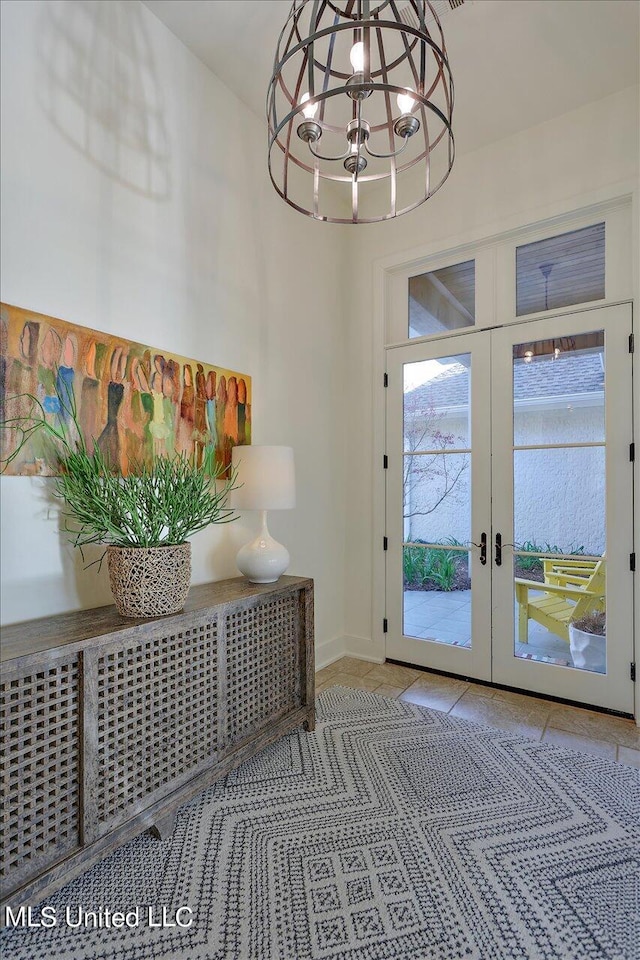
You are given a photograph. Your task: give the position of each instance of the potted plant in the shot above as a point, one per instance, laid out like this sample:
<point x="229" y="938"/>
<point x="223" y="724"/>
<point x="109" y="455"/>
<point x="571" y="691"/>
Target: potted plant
<point x="143" y="518"/>
<point x="587" y="641"/>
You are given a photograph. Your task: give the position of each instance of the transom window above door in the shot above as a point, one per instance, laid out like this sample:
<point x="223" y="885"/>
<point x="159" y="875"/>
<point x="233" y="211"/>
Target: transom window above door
<point x="545" y="268"/>
<point x="442" y="300"/>
<point x="560" y="271"/>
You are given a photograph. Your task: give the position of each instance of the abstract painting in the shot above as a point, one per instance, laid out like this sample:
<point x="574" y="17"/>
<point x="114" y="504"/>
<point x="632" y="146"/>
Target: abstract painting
<point x="132" y="401"/>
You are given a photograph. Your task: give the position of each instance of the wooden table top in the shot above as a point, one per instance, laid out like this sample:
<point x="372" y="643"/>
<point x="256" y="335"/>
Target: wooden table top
<point x="35" y="636"/>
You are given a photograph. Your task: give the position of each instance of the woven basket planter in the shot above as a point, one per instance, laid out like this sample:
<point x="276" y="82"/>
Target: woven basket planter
<point x="149" y="581"/>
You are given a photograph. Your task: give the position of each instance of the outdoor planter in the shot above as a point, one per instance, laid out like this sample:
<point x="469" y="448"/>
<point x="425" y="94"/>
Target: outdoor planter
<point x="588" y="650"/>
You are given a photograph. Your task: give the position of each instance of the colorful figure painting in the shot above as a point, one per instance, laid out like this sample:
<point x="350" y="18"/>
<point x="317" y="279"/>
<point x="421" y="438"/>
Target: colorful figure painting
<point x="132" y="401"/>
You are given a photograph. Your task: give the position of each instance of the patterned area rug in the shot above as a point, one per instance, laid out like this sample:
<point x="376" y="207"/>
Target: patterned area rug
<point x="392" y="832"/>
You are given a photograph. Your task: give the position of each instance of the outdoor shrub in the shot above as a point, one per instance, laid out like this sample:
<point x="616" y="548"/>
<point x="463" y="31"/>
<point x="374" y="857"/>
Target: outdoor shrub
<point x="444" y="569"/>
<point x="534" y="562"/>
<point x="428" y="565"/>
<point x="413" y="565"/>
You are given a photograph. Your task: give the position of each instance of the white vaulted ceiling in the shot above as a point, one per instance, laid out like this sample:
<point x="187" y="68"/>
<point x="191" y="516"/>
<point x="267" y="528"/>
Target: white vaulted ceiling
<point x="515" y="63"/>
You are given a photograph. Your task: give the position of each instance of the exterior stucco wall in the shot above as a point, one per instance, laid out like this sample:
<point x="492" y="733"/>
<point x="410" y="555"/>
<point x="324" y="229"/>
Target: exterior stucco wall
<point x="559" y="494"/>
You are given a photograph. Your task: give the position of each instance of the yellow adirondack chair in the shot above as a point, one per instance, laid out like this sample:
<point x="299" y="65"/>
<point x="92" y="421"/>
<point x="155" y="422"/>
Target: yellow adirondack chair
<point x="564" y="572"/>
<point x="571" y="589"/>
<point x="572" y="572"/>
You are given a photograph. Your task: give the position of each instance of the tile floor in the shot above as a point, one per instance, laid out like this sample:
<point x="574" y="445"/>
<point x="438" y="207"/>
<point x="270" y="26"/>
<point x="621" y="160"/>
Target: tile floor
<point x="533" y="717"/>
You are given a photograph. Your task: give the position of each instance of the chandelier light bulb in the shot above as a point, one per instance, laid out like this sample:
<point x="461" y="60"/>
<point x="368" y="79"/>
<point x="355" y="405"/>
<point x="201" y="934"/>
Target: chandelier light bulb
<point x="311" y="108"/>
<point x="406" y="102"/>
<point x="357" y="56"/>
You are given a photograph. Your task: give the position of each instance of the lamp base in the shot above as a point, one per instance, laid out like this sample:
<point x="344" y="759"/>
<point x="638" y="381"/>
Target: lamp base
<point x="263" y="560"/>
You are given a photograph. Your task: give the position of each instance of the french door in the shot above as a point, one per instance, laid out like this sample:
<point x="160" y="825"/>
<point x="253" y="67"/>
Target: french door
<point x="509" y="506"/>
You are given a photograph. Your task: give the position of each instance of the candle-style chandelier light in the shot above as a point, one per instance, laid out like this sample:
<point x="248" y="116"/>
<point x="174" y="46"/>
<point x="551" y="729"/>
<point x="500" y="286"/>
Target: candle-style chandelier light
<point x="359" y="109"/>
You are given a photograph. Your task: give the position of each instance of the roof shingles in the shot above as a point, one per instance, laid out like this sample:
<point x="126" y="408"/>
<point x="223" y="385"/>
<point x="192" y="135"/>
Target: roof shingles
<point x="541" y="379"/>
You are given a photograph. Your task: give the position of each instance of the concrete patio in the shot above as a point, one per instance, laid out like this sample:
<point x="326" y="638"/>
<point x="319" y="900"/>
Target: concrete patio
<point x="446" y="618"/>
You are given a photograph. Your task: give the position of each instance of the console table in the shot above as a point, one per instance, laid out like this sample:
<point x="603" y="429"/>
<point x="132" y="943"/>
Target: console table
<point x="108" y="724"/>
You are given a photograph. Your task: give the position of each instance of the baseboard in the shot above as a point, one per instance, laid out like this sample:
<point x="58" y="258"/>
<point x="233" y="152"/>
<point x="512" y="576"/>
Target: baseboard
<point x="329" y="651"/>
<point x="363" y="648"/>
<point x="360" y="648"/>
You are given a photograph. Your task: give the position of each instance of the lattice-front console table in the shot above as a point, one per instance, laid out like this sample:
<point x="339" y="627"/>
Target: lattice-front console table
<point x="110" y="724"/>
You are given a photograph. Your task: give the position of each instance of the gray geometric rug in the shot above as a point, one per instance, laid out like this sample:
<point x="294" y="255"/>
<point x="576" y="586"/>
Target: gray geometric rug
<point x="394" y="832"/>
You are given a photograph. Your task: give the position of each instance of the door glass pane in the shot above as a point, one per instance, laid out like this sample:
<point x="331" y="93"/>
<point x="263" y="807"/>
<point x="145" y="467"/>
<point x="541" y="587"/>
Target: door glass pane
<point x="558" y="390"/>
<point x="559" y="502"/>
<point x="437" y="504"/>
<point x="437" y="595"/>
<point x="442" y="299"/>
<point x="437" y="500"/>
<point x="560" y="611"/>
<point x="436" y="404"/>
<point x="560" y="271"/>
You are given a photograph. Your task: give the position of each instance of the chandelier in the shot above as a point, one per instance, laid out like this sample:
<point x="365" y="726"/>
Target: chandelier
<point x="359" y="109"/>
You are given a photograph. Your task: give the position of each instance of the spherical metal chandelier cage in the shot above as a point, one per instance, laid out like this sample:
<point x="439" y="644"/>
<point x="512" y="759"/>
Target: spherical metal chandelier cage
<point x="359" y="109"/>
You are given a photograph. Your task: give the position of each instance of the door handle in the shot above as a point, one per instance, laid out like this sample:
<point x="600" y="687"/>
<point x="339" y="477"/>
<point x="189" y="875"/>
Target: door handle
<point x="498" y="549"/>
<point x="483" y="548"/>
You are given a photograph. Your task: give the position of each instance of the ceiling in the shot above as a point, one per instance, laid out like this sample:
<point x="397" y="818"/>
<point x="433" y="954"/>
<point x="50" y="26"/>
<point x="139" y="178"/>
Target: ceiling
<point x="515" y="63"/>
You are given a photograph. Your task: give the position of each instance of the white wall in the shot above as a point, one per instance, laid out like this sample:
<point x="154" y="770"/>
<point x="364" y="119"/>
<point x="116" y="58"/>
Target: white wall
<point x="541" y="172"/>
<point x="179" y="242"/>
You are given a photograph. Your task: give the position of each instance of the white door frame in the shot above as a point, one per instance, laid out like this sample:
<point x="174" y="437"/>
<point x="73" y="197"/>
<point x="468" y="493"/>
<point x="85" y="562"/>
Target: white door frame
<point x="620" y="200"/>
<point x="491" y="656"/>
<point x="613" y="690"/>
<point x="476" y="661"/>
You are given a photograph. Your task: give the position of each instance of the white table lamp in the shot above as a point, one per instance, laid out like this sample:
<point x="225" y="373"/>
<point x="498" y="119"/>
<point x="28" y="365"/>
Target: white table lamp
<point x="266" y="481"/>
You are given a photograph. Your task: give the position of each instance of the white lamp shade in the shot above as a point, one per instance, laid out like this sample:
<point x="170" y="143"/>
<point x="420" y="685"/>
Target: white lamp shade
<point x="266" y="478"/>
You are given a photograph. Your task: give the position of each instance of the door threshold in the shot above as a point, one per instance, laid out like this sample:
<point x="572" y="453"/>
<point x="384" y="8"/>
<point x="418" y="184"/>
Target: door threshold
<point x="525" y="693"/>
